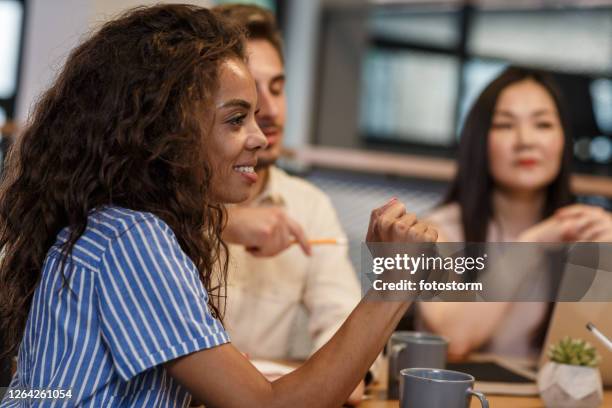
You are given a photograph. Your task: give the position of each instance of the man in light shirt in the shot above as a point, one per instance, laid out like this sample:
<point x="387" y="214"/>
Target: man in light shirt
<point x="270" y="276"/>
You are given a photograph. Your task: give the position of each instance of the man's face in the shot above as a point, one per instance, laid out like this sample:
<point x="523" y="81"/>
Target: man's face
<point x="269" y="74"/>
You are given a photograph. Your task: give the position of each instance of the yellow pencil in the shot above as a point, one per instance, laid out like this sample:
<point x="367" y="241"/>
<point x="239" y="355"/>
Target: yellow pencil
<point x="325" y="241"/>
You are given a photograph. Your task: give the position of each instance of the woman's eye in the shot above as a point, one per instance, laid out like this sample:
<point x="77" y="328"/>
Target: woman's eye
<point x="544" y="125"/>
<point x="237" y="120"/>
<point x="501" y="126"/>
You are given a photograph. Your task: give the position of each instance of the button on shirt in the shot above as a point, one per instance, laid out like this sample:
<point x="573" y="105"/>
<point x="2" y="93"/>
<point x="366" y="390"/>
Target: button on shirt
<point x="265" y="294"/>
<point x="135" y="302"/>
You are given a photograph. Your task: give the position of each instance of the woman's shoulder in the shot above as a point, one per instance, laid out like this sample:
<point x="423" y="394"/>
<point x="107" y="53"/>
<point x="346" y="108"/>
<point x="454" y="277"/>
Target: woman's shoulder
<point x="109" y="224"/>
<point x="447" y="218"/>
<point x="115" y="221"/>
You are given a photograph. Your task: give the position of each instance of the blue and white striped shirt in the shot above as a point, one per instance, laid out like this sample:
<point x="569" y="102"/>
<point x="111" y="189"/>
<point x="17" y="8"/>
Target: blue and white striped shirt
<point x="135" y="302"/>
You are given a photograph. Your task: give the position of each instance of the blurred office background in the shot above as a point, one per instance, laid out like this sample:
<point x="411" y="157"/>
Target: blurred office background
<point x="377" y="90"/>
<point x="399" y="77"/>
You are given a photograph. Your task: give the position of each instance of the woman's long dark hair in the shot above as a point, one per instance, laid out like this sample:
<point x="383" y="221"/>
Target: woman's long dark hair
<point x="472" y="187"/>
<point x="124" y="124"/>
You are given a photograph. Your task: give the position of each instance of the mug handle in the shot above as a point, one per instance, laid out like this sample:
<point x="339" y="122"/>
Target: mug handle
<point x="481" y="397"/>
<point x="393" y="355"/>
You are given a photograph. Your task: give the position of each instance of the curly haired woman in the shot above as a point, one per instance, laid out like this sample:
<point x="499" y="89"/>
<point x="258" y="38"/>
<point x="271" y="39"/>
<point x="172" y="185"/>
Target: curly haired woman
<point x="111" y="214"/>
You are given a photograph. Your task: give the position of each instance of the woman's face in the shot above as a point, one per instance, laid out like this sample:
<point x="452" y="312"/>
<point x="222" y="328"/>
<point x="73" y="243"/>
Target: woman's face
<point x="526" y="138"/>
<point x="235" y="138"/>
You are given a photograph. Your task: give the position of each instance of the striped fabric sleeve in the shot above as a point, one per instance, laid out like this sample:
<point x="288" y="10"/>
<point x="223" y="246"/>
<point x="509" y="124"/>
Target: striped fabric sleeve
<point x="5" y="402"/>
<point x="151" y="304"/>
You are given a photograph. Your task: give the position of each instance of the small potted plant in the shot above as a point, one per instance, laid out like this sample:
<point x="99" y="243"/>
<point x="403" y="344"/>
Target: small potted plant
<point x="571" y="378"/>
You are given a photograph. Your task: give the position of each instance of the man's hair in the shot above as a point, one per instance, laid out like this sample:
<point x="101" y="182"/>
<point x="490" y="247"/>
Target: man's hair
<point x="259" y="23"/>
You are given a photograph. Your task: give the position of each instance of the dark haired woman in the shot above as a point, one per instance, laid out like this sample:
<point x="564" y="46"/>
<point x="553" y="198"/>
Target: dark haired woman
<point x="110" y="222"/>
<point x="512" y="185"/>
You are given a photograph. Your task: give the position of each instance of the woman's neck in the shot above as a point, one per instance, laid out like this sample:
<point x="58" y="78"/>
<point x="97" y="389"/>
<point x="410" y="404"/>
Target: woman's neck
<point x="515" y="211"/>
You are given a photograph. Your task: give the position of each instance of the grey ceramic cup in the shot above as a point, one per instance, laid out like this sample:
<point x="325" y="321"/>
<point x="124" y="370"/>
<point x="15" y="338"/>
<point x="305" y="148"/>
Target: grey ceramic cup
<point x="434" y="388"/>
<point x="407" y="349"/>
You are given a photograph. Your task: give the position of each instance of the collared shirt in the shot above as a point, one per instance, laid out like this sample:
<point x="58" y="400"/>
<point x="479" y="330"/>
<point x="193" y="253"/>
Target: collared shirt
<point x="134" y="302"/>
<point x="265" y="294"/>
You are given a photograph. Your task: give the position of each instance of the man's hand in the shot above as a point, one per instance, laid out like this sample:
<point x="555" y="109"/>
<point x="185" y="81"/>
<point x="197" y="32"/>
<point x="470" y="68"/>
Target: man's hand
<point x="391" y="223"/>
<point x="264" y="231"/>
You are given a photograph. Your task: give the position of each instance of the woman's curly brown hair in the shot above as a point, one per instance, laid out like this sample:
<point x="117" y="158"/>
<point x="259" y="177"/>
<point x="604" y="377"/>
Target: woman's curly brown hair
<point x="124" y="124"/>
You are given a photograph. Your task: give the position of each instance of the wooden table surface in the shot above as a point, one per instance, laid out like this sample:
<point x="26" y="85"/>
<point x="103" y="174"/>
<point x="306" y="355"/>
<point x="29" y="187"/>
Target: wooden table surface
<point x="494" y="402"/>
<point x="376" y="395"/>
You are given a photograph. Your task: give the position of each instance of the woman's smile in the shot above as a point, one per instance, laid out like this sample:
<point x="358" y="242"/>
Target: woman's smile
<point x="248" y="172"/>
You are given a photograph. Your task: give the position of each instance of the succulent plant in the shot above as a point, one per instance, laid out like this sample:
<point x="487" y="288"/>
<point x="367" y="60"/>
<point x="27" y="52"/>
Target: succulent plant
<point x="576" y="352"/>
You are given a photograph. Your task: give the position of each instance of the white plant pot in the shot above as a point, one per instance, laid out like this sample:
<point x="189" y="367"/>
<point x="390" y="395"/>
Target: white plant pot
<point x="567" y="386"/>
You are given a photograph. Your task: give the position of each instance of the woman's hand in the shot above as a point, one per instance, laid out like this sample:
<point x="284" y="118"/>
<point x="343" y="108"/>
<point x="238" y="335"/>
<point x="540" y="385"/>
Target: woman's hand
<point x="391" y="223"/>
<point x="576" y="222"/>
<point x="552" y="229"/>
<point x="588" y="223"/>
